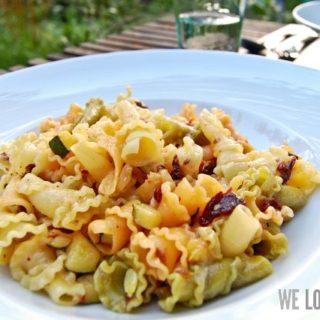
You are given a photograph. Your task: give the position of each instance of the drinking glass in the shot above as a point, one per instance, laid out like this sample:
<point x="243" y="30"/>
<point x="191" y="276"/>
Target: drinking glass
<point x="209" y="24"/>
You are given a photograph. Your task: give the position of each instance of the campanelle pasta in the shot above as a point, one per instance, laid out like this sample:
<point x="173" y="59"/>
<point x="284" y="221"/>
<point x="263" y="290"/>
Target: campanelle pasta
<point x="116" y="203"/>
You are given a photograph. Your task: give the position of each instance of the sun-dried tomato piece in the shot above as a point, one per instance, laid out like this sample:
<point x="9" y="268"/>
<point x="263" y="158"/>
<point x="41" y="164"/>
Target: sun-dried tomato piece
<point x="176" y="172"/>
<point x="220" y="205"/>
<point x="157" y="194"/>
<point x="82" y="299"/>
<point x="285" y="167"/>
<point x="264" y="203"/>
<point x="29" y="168"/>
<point x="4" y="156"/>
<point x="194" y="217"/>
<point x="84" y="174"/>
<point x="207" y="167"/>
<point x="139" y="175"/>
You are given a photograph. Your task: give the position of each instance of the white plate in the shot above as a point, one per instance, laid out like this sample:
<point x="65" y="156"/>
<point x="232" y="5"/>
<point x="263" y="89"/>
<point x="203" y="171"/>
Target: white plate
<point x="309" y="14"/>
<point x="270" y="102"/>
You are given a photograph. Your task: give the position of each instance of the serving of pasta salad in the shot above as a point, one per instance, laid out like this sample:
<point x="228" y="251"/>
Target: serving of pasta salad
<point x="119" y="204"/>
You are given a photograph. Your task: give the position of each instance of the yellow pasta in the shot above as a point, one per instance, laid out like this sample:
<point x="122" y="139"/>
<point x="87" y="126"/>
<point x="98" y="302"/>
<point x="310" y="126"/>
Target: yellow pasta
<point x="121" y="282"/>
<point x="110" y="234"/>
<point x="17" y="226"/>
<point x="64" y="289"/>
<point x="34" y="264"/>
<point x="67" y="208"/>
<point x="119" y="204"/>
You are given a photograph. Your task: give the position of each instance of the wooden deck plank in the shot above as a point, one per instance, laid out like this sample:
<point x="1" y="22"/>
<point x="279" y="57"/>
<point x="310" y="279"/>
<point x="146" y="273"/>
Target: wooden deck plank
<point x="95" y="46"/>
<point x="158" y="25"/>
<point x="17" y="67"/>
<point x="164" y="43"/>
<point x="37" y="61"/>
<point x="138" y="34"/>
<point x="78" y="51"/>
<point x="120" y="45"/>
<point x="57" y="56"/>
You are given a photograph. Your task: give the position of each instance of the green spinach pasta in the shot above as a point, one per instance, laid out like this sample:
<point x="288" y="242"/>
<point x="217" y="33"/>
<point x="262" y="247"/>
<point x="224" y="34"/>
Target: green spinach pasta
<point x="117" y="204"/>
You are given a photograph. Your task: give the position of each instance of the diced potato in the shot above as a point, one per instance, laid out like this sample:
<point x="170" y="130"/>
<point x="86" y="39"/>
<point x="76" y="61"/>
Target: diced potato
<point x="94" y="158"/>
<point x="146" y="216"/>
<point x="82" y="255"/>
<point x="238" y="231"/>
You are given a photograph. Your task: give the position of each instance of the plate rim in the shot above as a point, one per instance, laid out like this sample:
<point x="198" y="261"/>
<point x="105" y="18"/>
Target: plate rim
<point x="299" y="18"/>
<point x="207" y="312"/>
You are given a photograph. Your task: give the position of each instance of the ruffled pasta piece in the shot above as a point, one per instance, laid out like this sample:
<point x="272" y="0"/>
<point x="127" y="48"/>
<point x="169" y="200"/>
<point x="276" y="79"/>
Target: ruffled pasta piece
<point x="30" y="150"/>
<point x="204" y="247"/>
<point x="227" y="123"/>
<point x="126" y="180"/>
<point x="121" y="282"/>
<point x="125" y="212"/>
<point x="91" y="294"/>
<point x="34" y="264"/>
<point x="168" y="153"/>
<point x="188" y="112"/>
<point x="195" y="197"/>
<point x="207" y="282"/>
<point x="190" y="156"/>
<point x="293" y="197"/>
<point x="67" y="208"/>
<point x="126" y="111"/>
<point x="62" y="168"/>
<point x="230" y="149"/>
<point x="6" y="253"/>
<point x="17" y="226"/>
<point x="58" y="239"/>
<point x="275" y="216"/>
<point x="231" y="159"/>
<point x="212" y="127"/>
<point x="4" y="158"/>
<point x="141" y="143"/>
<point x="73" y="114"/>
<point x="113" y="232"/>
<point x="154" y="180"/>
<point x="273" y="243"/>
<point x="11" y="200"/>
<point x="109" y="184"/>
<point x="255" y="182"/>
<point x="173" y="130"/>
<point x="4" y="181"/>
<point x="65" y="290"/>
<point x="162" y="250"/>
<point x="172" y="212"/>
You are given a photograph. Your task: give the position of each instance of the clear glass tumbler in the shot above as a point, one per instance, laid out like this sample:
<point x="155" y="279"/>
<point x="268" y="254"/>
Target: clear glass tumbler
<point x="209" y="24"/>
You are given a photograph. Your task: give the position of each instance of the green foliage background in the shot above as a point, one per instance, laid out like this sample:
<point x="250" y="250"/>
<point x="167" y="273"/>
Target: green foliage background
<point x="34" y="28"/>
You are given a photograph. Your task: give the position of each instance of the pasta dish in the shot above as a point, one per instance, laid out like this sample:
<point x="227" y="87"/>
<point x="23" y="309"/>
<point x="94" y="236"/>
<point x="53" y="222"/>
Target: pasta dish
<point x="117" y="204"/>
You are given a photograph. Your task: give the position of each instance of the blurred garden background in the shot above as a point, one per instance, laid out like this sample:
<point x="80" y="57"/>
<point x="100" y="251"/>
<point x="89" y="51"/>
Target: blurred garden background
<point x="34" y="28"/>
